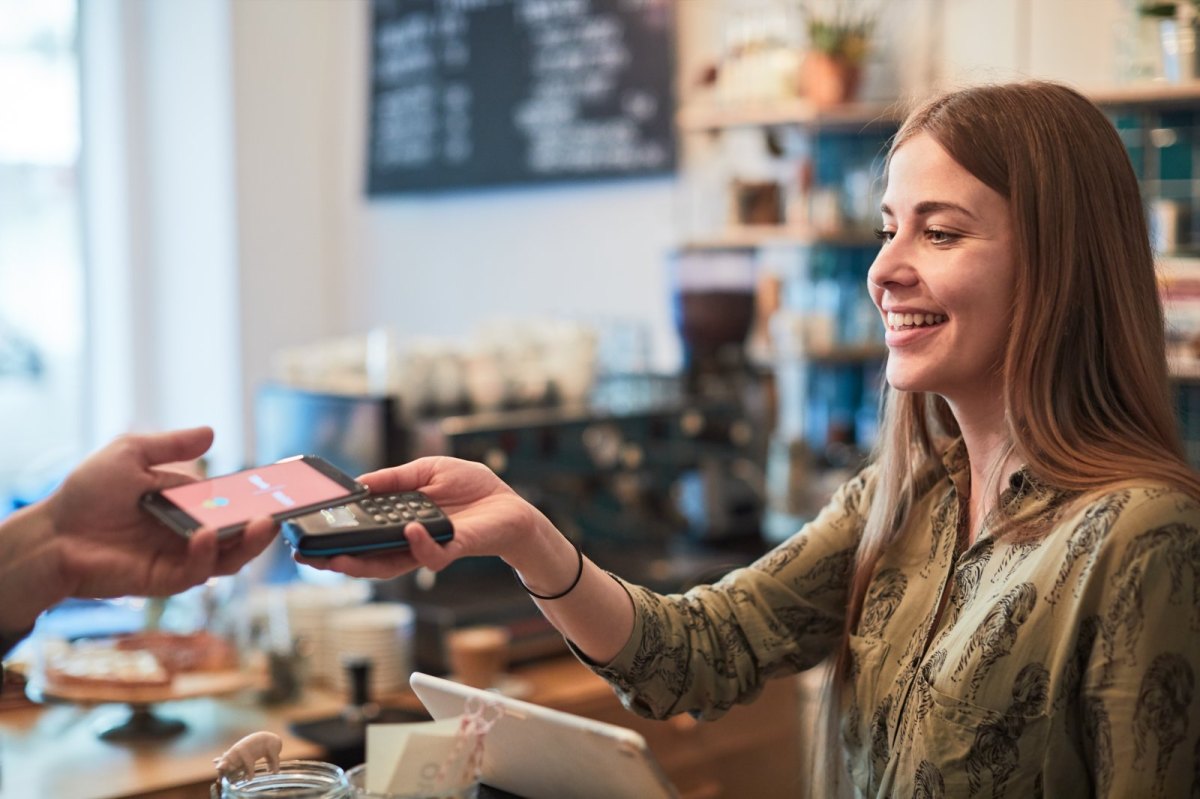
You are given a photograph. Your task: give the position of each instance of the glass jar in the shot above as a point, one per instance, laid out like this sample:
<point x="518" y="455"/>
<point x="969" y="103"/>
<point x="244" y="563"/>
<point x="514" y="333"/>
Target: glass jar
<point x="296" y="779"/>
<point x="357" y="777"/>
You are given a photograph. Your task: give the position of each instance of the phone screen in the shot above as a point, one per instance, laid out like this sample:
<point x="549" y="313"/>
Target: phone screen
<point x="236" y="498"/>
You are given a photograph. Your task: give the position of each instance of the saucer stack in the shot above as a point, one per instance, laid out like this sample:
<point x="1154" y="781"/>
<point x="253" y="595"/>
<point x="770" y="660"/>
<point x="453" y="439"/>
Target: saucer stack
<point x="381" y="632"/>
<point x="308" y="610"/>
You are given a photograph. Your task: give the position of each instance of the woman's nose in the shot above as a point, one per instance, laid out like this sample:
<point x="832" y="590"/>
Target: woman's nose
<point x="891" y="266"/>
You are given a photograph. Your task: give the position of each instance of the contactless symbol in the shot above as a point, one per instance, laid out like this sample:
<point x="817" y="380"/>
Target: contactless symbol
<point x="215" y="502"/>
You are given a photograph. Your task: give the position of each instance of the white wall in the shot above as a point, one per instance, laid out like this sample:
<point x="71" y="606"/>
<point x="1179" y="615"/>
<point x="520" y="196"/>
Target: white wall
<point x="439" y="263"/>
<point x="1075" y="41"/>
<point x="197" y="337"/>
<point x="288" y="62"/>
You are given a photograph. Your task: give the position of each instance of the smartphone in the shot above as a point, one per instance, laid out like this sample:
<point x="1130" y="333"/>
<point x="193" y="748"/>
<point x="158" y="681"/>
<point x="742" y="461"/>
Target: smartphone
<point x="285" y="489"/>
<point x="369" y="525"/>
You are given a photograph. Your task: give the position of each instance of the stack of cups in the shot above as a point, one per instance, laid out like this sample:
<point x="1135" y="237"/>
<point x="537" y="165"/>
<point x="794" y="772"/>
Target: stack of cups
<point x="381" y="632"/>
<point x="308" y="610"/>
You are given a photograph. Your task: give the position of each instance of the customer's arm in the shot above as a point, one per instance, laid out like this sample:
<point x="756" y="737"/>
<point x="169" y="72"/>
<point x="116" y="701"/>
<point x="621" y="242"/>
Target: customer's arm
<point x="90" y="538"/>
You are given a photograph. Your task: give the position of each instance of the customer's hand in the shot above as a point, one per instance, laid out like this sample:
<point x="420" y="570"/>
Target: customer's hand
<point x="489" y="518"/>
<point x="108" y="546"/>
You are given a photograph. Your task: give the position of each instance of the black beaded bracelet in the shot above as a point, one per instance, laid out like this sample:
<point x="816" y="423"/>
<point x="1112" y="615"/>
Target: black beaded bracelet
<point x="570" y="587"/>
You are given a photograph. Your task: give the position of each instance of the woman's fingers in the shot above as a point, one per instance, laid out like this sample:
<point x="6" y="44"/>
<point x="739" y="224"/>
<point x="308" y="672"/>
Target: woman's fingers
<point x="411" y="476"/>
<point x="430" y="553"/>
<point x="422" y="551"/>
<point x="378" y="566"/>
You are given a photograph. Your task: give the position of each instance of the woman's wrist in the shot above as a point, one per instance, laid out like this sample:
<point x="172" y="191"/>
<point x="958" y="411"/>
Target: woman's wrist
<point x="565" y="591"/>
<point x="546" y="562"/>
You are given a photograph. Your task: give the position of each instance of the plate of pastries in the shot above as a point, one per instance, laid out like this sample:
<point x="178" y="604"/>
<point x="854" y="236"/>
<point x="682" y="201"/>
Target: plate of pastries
<point x="141" y="667"/>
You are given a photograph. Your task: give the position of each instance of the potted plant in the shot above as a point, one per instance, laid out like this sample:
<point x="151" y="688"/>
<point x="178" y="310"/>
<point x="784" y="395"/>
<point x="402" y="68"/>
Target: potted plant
<point x="839" y="38"/>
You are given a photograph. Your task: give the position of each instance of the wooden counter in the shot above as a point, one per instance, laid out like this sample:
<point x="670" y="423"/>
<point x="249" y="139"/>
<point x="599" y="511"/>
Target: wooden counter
<point x="52" y="752"/>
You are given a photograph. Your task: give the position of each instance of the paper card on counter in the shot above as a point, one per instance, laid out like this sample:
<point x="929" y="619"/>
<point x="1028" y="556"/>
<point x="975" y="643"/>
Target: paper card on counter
<point x="406" y="759"/>
<point x="431" y="766"/>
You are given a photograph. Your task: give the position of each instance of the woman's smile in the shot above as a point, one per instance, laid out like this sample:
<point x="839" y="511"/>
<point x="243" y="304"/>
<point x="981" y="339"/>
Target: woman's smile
<point x="900" y="320"/>
<point x="905" y="327"/>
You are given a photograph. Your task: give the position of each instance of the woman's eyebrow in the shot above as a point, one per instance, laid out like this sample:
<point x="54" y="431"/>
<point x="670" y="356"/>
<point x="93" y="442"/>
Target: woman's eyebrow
<point x="927" y="207"/>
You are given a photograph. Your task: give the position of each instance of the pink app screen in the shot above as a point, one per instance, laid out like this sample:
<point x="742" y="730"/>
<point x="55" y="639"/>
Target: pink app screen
<point x="237" y="498"/>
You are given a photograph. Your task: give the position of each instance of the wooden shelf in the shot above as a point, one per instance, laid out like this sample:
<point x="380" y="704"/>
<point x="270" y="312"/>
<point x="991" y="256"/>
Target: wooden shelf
<point x="1177" y="266"/>
<point x="752" y="236"/>
<point x="1149" y="93"/>
<point x="703" y="116"/>
<point x="1183" y="369"/>
<point x="1182" y="365"/>
<point x="700" y="117"/>
<point x="712" y="116"/>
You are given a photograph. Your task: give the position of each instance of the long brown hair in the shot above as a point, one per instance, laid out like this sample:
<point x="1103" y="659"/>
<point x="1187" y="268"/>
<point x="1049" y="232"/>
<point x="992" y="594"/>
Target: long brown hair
<point x="1086" y="393"/>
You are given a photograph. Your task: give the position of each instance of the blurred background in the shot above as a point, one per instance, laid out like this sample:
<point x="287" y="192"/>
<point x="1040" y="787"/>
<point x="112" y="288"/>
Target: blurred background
<point x="613" y="249"/>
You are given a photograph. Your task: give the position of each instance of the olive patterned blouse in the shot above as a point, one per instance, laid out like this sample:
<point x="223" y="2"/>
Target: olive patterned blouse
<point x="1062" y="667"/>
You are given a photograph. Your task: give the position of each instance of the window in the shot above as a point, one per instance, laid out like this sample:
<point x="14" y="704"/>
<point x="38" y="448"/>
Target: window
<point x="41" y="274"/>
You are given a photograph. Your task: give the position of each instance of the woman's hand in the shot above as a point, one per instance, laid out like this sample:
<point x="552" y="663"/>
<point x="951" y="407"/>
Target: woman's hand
<point x="489" y="518"/>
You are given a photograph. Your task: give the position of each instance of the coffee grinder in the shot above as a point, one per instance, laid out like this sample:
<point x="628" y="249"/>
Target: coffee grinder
<point x="714" y="299"/>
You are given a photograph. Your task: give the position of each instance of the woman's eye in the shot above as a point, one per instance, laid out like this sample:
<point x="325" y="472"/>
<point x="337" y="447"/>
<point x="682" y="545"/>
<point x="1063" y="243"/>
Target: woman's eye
<point x="940" y="236"/>
<point x="884" y="235"/>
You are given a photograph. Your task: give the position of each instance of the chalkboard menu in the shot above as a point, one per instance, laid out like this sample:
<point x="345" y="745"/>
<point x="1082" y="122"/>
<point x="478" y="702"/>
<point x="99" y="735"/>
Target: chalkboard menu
<point x="487" y="92"/>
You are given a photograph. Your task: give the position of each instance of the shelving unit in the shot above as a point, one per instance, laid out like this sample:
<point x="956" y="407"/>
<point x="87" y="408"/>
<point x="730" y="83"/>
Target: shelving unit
<point x="875" y="120"/>
<point x="859" y="116"/>
<point x="826" y="349"/>
<point x="1160" y="123"/>
<point x="1157" y="108"/>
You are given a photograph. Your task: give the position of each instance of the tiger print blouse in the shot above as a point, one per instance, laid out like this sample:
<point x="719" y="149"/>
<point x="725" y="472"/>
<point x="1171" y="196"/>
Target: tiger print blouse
<point x="1062" y="667"/>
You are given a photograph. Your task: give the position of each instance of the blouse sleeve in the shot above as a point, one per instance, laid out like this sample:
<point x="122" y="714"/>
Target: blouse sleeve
<point x="1139" y="701"/>
<point x="714" y="646"/>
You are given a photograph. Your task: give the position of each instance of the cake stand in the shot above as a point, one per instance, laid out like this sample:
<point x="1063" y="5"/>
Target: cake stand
<point x="139" y="722"/>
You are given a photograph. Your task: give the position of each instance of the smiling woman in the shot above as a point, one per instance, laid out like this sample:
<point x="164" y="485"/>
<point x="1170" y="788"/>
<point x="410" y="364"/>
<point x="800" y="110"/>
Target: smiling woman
<point x="1003" y="587"/>
<point x="1013" y="212"/>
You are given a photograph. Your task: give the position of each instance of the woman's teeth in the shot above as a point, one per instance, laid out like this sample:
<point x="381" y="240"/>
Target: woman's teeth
<point x="899" y="321"/>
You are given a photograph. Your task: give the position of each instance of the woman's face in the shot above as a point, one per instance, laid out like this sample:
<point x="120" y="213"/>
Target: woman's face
<point x="943" y="279"/>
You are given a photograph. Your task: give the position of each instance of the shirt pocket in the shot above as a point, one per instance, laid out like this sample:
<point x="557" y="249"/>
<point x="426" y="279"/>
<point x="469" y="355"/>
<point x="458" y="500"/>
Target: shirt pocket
<point x="978" y="751"/>
<point x="864" y="712"/>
